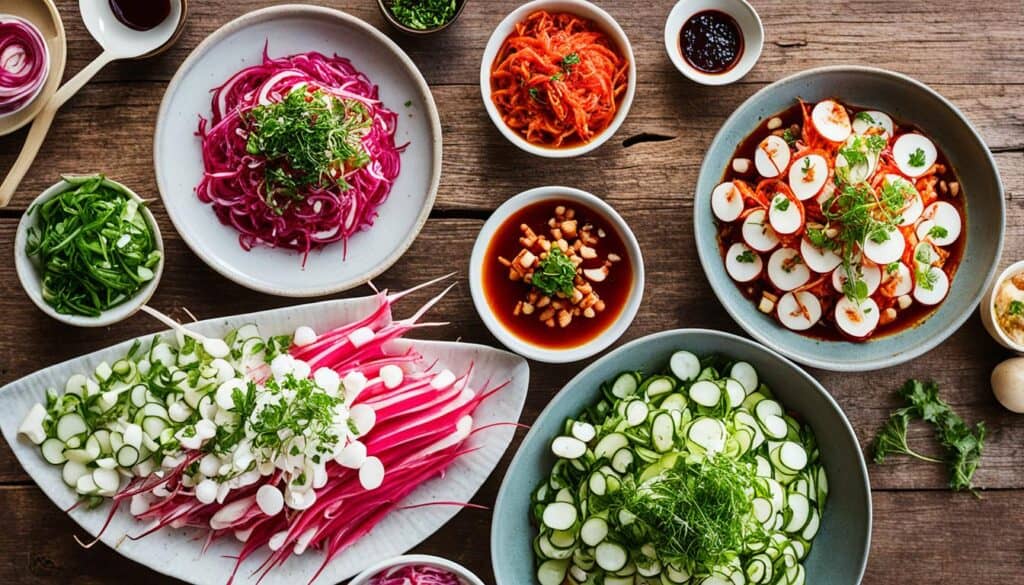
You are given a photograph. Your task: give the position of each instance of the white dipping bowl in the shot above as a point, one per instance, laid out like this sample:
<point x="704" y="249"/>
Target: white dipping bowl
<point x="458" y="570"/>
<point x="988" y="309"/>
<point x="30" y="275"/>
<point x="750" y="27"/>
<point x="579" y="8"/>
<point x="551" y="355"/>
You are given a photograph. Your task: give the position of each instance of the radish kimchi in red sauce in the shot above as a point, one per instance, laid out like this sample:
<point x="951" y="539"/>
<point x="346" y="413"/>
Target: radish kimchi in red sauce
<point x="557" y="274"/>
<point x="841" y="222"/>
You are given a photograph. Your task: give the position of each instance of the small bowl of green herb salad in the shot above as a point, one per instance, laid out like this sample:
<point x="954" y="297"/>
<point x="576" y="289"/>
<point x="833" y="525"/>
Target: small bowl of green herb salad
<point x="421" y="17"/>
<point x="89" y="251"/>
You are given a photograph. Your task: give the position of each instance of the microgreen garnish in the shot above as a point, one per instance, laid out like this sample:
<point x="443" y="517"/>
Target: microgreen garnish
<point x="781" y="203"/>
<point x="556" y="273"/>
<point x="789" y="137"/>
<point x="746" y="257"/>
<point x="892" y="267"/>
<point x="806" y="168"/>
<point x="309" y="138"/>
<point x="916" y="158"/>
<point x="938" y="231"/>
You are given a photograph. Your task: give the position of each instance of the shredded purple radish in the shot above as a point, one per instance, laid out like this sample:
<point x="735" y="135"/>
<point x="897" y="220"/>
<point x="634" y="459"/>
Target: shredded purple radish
<point x="234" y="182"/>
<point x="24" y="63"/>
<point x="416" y="575"/>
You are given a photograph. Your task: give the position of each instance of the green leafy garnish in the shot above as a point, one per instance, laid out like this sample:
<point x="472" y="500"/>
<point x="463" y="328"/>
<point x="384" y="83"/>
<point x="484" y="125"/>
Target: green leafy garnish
<point x="806" y="168"/>
<point x="938" y="231"/>
<point x="1016" y="308"/>
<point x="693" y="514"/>
<point x="917" y="158"/>
<point x="962" y="445"/>
<point x="892" y="267"/>
<point x="865" y="117"/>
<point x="746" y="257"/>
<point x="423" y="14"/>
<point x="789" y="137"/>
<point x="569" y="60"/>
<point x="93" y="246"/>
<point x="308" y="139"/>
<point x="926" y="278"/>
<point x="556" y="273"/>
<point x="557" y="76"/>
<point x="782" y="203"/>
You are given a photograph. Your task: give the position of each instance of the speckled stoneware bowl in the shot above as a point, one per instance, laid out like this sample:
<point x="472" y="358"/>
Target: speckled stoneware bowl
<point x="907" y="100"/>
<point x="840" y="549"/>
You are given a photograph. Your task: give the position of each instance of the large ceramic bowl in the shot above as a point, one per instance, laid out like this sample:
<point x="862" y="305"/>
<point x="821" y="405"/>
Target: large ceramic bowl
<point x="840" y="549"/>
<point x="907" y="100"/>
<point x="288" y="30"/>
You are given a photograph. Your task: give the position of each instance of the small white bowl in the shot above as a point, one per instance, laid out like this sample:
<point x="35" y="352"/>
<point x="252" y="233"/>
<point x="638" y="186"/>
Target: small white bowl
<point x="31" y="279"/>
<point x="479" y="256"/>
<point x="750" y="26"/>
<point x="579" y="8"/>
<point x="458" y="570"/>
<point x="988" y="309"/>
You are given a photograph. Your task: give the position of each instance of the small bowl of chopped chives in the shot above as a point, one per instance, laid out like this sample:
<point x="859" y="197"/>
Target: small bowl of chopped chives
<point x="421" y="17"/>
<point x="89" y="251"/>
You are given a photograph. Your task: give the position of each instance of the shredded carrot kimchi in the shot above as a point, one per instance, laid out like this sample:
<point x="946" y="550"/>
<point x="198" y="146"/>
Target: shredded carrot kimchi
<point x="557" y="79"/>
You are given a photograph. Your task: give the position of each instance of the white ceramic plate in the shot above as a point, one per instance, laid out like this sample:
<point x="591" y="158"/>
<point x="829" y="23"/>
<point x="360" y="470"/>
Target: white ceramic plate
<point x="179" y="554"/>
<point x="288" y="30"/>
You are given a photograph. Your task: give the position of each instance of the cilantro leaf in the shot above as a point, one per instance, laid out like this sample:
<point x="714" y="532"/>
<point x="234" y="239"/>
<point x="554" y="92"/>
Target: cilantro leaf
<point x="916" y="158"/>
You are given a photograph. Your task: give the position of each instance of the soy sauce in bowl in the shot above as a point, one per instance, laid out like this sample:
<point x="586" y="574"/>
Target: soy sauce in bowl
<point x="141" y="15"/>
<point x="711" y="41"/>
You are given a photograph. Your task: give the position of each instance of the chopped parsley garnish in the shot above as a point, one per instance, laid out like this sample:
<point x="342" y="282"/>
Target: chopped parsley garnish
<point x="788" y="136"/>
<point x="781" y="203"/>
<point x="865" y="117"/>
<point x="569" y="60"/>
<point x="1016" y="308"/>
<point x="892" y="267"/>
<point x="534" y="93"/>
<point x="309" y="139"/>
<point x="938" y="231"/>
<point x="556" y="273"/>
<point x="746" y="257"/>
<point x="917" y="158"/>
<point x="557" y="76"/>
<point x="806" y="168"/>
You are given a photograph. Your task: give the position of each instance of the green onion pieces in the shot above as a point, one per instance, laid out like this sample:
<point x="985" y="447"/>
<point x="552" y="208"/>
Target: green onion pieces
<point x="93" y="246"/>
<point x="423" y="14"/>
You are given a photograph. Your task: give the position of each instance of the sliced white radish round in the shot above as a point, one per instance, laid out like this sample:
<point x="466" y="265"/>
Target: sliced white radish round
<point x="742" y="263"/>
<point x="885" y="251"/>
<point x="930" y="285"/>
<point x="799" y="311"/>
<point x="772" y="156"/>
<point x="820" y="260"/>
<point x="861" y="171"/>
<point x="914" y="206"/>
<point x="856" y="320"/>
<point x="827" y="193"/>
<point x="870" y="273"/>
<point x="943" y="224"/>
<point x="727" y="202"/>
<point x="807" y="175"/>
<point x="866" y="120"/>
<point x="925" y="255"/>
<point x="831" y="120"/>
<point x="897" y="282"/>
<point x="785" y="215"/>
<point x="787" y="270"/>
<point x="757" y="233"/>
<point x="914" y="154"/>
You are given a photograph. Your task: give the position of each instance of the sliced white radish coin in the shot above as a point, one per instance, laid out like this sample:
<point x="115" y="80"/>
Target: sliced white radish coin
<point x="742" y="263"/>
<point x="866" y="120"/>
<point x="727" y="202"/>
<point x="772" y="156"/>
<point x="925" y="255"/>
<point x="831" y="120"/>
<point x="857" y="320"/>
<point x="930" y="285"/>
<point x="914" y="154"/>
<point x="758" y="234"/>
<point x="898" y="281"/>
<point x="871" y="274"/>
<point x="787" y="270"/>
<point x="885" y="246"/>
<point x="944" y="224"/>
<point x="820" y="260"/>
<point x="860" y="171"/>
<point x="807" y="175"/>
<point x="914" y="207"/>
<point x="785" y="215"/>
<point x="799" y="311"/>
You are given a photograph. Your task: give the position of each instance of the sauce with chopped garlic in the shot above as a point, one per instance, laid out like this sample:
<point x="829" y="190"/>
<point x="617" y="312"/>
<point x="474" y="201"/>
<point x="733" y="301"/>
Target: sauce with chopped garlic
<point x="561" y="321"/>
<point x="711" y="41"/>
<point x="1009" y="307"/>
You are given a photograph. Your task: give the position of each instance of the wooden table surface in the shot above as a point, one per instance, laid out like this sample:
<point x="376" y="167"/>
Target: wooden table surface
<point x="973" y="56"/>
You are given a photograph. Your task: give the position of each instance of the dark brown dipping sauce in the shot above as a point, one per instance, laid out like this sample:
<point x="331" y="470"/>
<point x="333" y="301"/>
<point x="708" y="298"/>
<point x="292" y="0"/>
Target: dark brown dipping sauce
<point x="141" y="14"/>
<point x="711" y="41"/>
<point x="502" y="294"/>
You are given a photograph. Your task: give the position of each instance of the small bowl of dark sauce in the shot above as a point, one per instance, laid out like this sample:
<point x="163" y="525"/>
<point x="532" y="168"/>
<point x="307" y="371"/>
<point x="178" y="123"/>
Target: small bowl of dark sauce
<point x="714" y="42"/>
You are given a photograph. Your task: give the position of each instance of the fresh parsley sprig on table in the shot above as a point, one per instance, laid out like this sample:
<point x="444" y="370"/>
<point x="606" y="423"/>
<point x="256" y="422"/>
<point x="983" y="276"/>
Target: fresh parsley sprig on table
<point x="962" y="445"/>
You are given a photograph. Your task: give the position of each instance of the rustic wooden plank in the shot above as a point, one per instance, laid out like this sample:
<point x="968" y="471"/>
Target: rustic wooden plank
<point x="481" y="169"/>
<point x="920" y="538"/>
<point x="932" y="40"/>
<point x="677" y="296"/>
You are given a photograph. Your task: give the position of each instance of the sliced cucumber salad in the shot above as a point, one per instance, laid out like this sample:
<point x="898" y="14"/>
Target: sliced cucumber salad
<point x="692" y="476"/>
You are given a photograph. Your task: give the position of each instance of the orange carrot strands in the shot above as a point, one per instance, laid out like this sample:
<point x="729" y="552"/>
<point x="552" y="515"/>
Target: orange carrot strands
<point x="557" y="79"/>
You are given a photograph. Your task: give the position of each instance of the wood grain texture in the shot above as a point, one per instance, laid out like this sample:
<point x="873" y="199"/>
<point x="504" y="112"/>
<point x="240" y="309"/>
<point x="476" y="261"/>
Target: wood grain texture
<point x="923" y="534"/>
